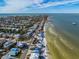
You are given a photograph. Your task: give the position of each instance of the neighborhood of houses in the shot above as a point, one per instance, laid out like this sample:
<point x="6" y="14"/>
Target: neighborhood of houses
<point x="23" y="37"/>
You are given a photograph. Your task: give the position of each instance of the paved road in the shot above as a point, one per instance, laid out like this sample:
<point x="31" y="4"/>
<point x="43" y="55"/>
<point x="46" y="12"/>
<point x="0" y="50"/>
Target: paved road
<point x="25" y="52"/>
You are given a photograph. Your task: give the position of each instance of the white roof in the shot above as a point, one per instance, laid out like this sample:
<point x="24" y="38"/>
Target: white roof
<point x="44" y="42"/>
<point x="17" y="35"/>
<point x="34" y="56"/>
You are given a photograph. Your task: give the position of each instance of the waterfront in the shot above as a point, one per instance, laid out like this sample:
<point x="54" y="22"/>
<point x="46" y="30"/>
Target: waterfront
<point x="63" y="36"/>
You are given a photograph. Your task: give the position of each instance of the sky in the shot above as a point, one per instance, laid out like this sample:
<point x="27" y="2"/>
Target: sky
<point x="39" y="6"/>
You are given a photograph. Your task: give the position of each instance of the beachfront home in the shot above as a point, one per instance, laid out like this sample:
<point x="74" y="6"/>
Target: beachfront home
<point x="35" y="53"/>
<point x="34" y="56"/>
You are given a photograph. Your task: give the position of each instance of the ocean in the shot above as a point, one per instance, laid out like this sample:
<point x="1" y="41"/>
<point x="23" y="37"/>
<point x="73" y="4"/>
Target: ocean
<point x="63" y="23"/>
<point x="68" y="46"/>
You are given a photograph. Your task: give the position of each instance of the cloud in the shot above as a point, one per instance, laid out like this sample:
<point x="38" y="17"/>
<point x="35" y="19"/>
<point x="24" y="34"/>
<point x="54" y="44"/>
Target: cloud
<point x="45" y="5"/>
<point x="14" y="5"/>
<point x="17" y="5"/>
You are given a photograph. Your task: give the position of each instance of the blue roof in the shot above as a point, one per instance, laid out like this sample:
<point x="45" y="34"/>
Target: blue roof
<point x="15" y="49"/>
<point x="35" y="51"/>
<point x="42" y="34"/>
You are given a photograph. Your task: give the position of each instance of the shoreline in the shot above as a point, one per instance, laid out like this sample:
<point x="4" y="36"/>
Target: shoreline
<point x="58" y="46"/>
<point x="47" y="25"/>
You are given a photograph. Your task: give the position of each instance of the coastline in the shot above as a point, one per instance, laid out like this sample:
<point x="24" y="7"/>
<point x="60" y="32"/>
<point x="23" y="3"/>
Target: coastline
<point x="59" y="47"/>
<point x="49" y="29"/>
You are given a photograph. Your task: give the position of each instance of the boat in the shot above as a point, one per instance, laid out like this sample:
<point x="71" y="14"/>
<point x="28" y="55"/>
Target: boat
<point x="74" y="23"/>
